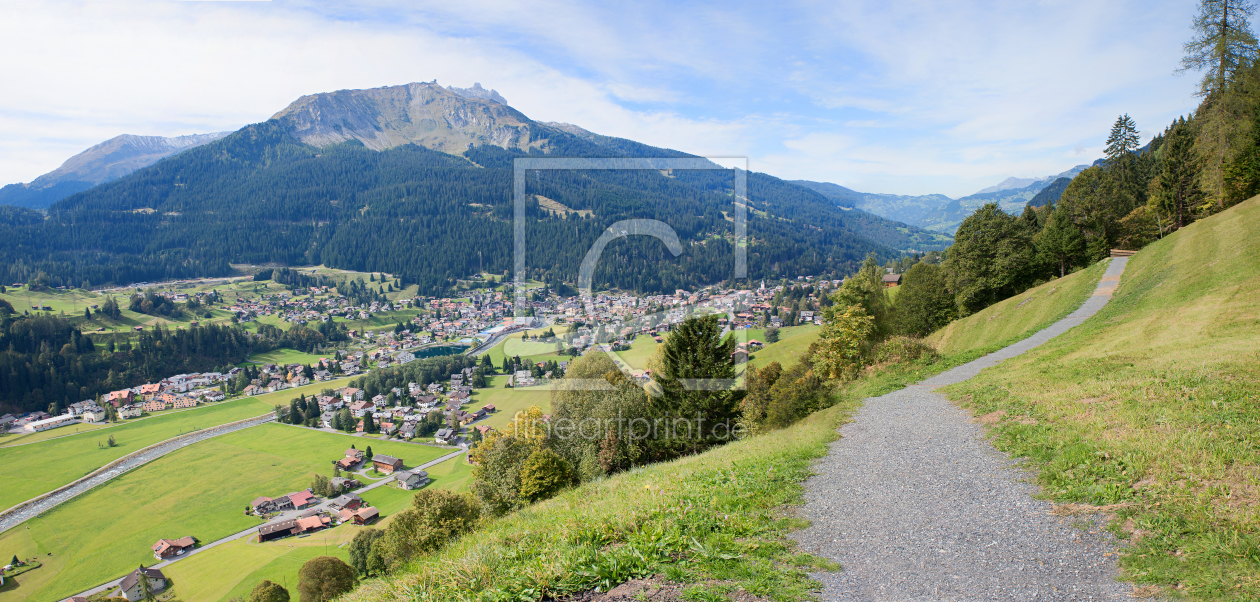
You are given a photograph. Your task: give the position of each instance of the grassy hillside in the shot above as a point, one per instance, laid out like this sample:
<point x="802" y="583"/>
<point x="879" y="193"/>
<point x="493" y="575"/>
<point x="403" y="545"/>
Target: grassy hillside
<point x="1153" y="408"/>
<point x="714" y="521"/>
<point x="1020" y="316"/>
<point x="793" y="341"/>
<point x="199" y="490"/>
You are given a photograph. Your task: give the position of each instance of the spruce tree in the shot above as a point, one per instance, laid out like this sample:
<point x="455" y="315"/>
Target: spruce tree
<point x="1061" y="244"/>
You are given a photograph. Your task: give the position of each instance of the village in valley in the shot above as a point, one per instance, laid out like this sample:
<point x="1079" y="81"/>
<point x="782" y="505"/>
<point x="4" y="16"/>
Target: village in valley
<point x="503" y="355"/>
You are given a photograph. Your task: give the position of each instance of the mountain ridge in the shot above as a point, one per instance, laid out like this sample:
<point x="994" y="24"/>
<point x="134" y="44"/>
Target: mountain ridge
<point x="349" y="179"/>
<point x="104" y="162"/>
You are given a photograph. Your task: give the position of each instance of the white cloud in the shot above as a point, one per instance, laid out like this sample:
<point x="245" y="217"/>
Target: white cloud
<point x="910" y="97"/>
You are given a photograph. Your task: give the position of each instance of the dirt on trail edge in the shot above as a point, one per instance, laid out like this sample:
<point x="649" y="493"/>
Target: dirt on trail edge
<point x="917" y="505"/>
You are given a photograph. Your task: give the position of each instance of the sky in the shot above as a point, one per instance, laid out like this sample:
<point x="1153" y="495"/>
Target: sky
<point x="904" y="98"/>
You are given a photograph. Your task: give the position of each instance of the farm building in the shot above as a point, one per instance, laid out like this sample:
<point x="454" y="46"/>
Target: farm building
<point x="386" y="464"/>
<point x="49" y="423"/>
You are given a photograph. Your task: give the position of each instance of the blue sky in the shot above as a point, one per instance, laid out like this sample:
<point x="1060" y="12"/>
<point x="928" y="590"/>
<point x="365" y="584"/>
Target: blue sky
<point x="907" y="98"/>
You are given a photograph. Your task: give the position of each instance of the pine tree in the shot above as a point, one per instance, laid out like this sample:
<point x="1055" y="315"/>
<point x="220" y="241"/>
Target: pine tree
<point x="1223" y="43"/>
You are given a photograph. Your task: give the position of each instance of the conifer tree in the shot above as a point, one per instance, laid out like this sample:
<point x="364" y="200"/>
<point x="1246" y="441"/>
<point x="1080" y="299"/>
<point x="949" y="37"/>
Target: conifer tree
<point x="1060" y="244"/>
<point x="1223" y="43"/>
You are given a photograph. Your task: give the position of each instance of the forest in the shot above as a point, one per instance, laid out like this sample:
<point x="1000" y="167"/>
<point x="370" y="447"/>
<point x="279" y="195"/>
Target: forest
<point x="46" y="362"/>
<point x="260" y="197"/>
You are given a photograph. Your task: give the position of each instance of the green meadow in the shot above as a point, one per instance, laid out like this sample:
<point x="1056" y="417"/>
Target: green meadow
<point x="201" y="490"/>
<point x="31" y="470"/>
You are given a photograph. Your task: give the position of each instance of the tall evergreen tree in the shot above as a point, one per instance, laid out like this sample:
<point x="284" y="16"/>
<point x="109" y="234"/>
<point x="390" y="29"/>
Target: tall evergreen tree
<point x="1222" y="44"/>
<point x="695" y="352"/>
<point x="1061" y="244"/>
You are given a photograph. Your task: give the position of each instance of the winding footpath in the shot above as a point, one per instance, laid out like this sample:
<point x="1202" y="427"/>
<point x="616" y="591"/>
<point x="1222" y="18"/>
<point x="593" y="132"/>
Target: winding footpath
<point x="917" y="505"/>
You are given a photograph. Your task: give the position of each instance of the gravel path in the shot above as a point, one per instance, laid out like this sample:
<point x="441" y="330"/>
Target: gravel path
<point x="916" y="505"/>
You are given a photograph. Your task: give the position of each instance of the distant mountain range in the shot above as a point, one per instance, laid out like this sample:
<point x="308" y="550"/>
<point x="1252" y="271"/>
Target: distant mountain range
<point x="415" y="180"/>
<point x="940" y="213"/>
<point x="105" y="162"/>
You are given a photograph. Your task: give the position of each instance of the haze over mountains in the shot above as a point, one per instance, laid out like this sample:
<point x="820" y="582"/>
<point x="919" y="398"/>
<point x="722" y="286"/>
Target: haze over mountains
<point x="937" y="212"/>
<point x="107" y="161"/>
<point x="415" y="180"/>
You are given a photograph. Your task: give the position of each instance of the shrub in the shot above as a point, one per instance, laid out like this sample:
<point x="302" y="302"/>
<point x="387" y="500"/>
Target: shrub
<point x="269" y="591"/>
<point x="902" y="349"/>
<point x="544" y="474"/>
<point x="435" y="518"/>
<point x="323" y="578"/>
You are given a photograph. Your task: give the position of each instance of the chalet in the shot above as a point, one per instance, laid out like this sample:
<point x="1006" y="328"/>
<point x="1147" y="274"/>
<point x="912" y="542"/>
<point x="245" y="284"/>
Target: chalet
<point x="252" y="390"/>
<point x="132" y="588"/>
<point x="167" y="548"/>
<point x="301" y="499"/>
<point x="130" y="411"/>
<point x="460" y="396"/>
<point x="444" y="435"/>
<point x="489" y="408"/>
<point x="891" y="280"/>
<point x="118" y="398"/>
<point x="6" y="420"/>
<point x="386" y="464"/>
<point x="362" y="516"/>
<point x="411" y="479"/>
<point x="348" y="501"/>
<point x="483" y="429"/>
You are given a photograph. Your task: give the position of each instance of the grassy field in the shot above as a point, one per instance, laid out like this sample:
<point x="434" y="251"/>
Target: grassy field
<point x="1151" y="409"/>
<point x="25" y="437"/>
<point x="233" y="569"/>
<point x="30" y="470"/>
<point x="536" y="351"/>
<point x="1020" y="316"/>
<point x="793" y="341"/>
<point x="285" y="357"/>
<point x="200" y="490"/>
<point x="507" y="402"/>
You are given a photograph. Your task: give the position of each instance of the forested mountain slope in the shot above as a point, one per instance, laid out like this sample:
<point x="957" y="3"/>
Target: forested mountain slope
<point x="109" y="160"/>
<point x="347" y="180"/>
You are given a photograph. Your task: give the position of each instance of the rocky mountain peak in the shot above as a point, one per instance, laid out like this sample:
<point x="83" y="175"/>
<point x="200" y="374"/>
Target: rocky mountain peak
<point x="444" y="119"/>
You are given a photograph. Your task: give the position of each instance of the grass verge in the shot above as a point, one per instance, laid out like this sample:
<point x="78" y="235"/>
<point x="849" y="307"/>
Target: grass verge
<point x="1020" y="316"/>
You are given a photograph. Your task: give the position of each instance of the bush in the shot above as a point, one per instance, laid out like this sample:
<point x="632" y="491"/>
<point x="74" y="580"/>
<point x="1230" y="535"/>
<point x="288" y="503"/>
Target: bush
<point x="365" y="555"/>
<point x="435" y="518"/>
<point x="269" y="591"/>
<point x="902" y="349"/>
<point x="544" y="474"/>
<point x="323" y="578"/>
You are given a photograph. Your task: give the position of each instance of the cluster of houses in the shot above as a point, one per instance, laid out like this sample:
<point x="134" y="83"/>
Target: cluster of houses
<point x="176" y="392"/>
<point x="410" y="406"/>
